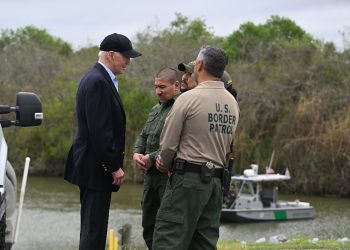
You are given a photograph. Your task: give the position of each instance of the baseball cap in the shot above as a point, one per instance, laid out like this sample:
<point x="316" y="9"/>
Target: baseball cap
<point x="226" y="78"/>
<point x="119" y="43"/>
<point x="187" y="67"/>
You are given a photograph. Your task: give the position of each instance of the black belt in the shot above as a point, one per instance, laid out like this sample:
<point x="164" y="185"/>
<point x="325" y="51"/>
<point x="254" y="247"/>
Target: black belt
<point x="196" y="168"/>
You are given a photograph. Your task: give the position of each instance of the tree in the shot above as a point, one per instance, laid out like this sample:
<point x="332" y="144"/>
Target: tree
<point x="31" y="34"/>
<point x="168" y="47"/>
<point x="251" y="39"/>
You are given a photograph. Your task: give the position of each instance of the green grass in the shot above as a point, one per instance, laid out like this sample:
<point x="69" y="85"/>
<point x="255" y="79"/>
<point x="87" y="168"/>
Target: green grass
<point x="301" y="243"/>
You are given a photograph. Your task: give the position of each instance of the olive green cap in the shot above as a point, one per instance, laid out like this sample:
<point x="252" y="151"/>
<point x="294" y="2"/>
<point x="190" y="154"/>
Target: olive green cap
<point x="187" y="67"/>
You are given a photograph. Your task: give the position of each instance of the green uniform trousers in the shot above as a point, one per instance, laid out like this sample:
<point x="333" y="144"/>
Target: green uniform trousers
<point x="189" y="214"/>
<point x="154" y="186"/>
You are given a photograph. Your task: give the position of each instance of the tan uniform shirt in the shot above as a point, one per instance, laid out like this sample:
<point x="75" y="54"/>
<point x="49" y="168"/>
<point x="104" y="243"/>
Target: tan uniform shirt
<point x="201" y="125"/>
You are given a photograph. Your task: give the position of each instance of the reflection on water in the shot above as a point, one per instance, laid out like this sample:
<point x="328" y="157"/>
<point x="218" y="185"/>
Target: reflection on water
<point x="50" y="218"/>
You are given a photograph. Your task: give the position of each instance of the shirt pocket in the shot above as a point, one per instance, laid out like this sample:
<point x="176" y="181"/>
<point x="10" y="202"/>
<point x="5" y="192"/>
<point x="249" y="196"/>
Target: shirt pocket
<point x="152" y="116"/>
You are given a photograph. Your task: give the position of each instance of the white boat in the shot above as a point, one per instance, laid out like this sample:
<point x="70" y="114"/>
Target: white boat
<point x="253" y="201"/>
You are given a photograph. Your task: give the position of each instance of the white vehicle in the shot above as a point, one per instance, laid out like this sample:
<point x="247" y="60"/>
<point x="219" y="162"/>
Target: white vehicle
<point x="28" y="113"/>
<point x="254" y="201"/>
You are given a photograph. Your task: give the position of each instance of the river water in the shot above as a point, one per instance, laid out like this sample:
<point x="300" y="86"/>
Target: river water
<point x="50" y="217"/>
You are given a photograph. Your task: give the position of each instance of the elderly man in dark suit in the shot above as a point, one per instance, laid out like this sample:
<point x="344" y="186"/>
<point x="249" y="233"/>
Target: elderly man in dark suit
<point x="95" y="161"/>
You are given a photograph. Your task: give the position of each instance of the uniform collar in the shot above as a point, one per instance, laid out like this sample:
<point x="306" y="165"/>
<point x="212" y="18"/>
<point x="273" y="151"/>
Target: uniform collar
<point x="211" y="84"/>
<point x="170" y="102"/>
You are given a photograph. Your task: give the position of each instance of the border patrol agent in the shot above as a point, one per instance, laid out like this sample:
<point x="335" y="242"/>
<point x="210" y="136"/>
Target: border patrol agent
<point x="187" y="82"/>
<point x="195" y="142"/>
<point x="167" y="87"/>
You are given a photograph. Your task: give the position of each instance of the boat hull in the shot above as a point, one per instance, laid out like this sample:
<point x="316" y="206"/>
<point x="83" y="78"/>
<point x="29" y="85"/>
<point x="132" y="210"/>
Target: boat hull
<point x="267" y="214"/>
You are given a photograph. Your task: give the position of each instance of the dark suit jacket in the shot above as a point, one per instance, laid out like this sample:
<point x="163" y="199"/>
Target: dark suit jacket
<point x="98" y="149"/>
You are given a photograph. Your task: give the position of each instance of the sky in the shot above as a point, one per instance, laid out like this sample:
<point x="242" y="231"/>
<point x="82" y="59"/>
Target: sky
<point x="85" y="22"/>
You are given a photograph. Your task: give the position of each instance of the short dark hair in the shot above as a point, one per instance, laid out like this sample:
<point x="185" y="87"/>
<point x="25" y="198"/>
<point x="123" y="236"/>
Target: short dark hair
<point x="214" y="59"/>
<point x="169" y="74"/>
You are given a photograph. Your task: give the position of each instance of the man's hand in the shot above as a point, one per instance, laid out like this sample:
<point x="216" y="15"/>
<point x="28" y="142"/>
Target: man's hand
<point x="138" y="160"/>
<point x="147" y="161"/>
<point x="143" y="162"/>
<point x="118" y="177"/>
<point x="160" y="166"/>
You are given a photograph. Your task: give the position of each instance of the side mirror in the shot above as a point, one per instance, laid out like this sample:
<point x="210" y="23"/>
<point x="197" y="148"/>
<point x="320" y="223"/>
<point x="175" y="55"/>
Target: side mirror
<point x="29" y="111"/>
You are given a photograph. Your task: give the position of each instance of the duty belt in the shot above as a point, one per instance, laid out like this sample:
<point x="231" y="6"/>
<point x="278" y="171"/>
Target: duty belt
<point x="182" y="166"/>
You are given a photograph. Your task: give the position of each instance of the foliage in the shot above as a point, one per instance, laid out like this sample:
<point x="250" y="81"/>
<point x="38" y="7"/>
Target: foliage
<point x="250" y="40"/>
<point x="293" y="92"/>
<point x="31" y="34"/>
<point x="293" y="99"/>
<point x="168" y="47"/>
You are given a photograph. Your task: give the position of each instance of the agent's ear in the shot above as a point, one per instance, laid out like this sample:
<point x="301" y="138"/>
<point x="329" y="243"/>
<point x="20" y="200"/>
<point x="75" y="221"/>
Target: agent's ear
<point x="200" y="65"/>
<point x="177" y="85"/>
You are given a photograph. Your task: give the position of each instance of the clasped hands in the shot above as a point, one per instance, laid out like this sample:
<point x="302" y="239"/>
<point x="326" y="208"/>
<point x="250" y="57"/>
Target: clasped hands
<point x="144" y="163"/>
